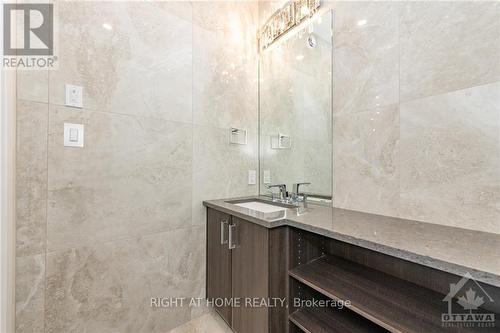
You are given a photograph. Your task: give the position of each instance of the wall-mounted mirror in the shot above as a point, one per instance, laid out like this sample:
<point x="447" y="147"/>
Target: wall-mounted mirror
<point x="296" y="109"/>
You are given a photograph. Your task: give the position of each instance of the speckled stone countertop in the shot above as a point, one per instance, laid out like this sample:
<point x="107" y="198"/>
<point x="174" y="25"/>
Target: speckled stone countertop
<point x="449" y="249"/>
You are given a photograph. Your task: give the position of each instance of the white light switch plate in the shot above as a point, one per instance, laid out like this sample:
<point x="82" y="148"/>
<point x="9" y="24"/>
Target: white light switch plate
<point x="267" y="176"/>
<point x="252" y="177"/>
<point x="73" y="135"/>
<point x="74" y="96"/>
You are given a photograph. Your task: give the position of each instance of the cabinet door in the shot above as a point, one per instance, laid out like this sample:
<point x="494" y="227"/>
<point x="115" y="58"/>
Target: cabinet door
<point x="219" y="262"/>
<point x="250" y="271"/>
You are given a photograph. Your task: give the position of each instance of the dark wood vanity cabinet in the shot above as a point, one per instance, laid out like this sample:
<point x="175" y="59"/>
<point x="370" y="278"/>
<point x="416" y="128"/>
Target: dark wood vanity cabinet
<point x="219" y="262"/>
<point x="238" y="270"/>
<point x="386" y="294"/>
<point x="250" y="276"/>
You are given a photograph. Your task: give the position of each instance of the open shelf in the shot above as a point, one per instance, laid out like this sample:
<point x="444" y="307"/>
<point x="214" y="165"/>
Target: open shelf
<point x="327" y="320"/>
<point x="392" y="303"/>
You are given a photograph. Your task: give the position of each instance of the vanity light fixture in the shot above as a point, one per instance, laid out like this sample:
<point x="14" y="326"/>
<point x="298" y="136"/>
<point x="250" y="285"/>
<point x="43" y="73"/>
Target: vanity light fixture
<point x="289" y="16"/>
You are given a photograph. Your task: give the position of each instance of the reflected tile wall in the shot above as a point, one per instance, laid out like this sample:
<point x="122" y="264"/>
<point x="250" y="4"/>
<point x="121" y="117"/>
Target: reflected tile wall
<point x="123" y="221"/>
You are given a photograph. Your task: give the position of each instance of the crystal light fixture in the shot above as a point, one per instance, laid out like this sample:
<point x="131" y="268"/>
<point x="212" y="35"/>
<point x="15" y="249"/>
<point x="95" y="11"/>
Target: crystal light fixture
<point x="289" y="16"/>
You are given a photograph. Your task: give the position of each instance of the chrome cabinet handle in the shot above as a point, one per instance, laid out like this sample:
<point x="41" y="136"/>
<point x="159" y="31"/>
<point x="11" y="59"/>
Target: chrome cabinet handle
<point x="232" y="244"/>
<point x="223" y="239"/>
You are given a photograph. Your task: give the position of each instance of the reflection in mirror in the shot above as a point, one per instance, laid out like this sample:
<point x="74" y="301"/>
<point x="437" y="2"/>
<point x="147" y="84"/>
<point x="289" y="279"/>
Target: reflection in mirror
<point x="296" y="109"/>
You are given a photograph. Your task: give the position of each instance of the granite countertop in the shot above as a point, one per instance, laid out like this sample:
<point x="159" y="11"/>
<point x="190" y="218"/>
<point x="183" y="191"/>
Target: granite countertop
<point x="455" y="250"/>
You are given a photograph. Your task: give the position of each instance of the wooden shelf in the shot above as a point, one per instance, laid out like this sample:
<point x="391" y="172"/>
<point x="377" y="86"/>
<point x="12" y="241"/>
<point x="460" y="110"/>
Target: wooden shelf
<point x="394" y="304"/>
<point x="327" y="320"/>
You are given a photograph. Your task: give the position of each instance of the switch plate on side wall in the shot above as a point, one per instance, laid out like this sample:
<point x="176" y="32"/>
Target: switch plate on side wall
<point x="252" y="177"/>
<point x="73" y="135"/>
<point x="74" y="96"/>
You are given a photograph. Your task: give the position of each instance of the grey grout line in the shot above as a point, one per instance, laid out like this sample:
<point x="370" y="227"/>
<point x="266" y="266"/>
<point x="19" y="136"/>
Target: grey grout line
<point x="126" y="238"/>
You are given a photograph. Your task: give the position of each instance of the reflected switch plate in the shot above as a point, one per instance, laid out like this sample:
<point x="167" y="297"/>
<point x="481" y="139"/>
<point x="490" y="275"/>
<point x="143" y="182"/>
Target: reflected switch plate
<point x="267" y="176"/>
<point x="252" y="177"/>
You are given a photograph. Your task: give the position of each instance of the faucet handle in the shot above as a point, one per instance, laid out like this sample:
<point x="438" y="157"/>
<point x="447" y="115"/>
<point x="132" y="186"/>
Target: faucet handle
<point x="282" y="188"/>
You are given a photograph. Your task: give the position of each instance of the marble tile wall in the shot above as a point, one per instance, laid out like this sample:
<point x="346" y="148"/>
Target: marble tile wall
<point x="102" y="229"/>
<point x="416" y="109"/>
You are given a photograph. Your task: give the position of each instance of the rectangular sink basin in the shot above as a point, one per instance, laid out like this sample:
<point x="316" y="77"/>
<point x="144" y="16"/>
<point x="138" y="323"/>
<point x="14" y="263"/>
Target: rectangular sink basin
<point x="260" y="206"/>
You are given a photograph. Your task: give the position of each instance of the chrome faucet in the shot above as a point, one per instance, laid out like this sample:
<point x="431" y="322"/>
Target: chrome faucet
<point x="297" y="186"/>
<point x="282" y="194"/>
<point x="298" y="196"/>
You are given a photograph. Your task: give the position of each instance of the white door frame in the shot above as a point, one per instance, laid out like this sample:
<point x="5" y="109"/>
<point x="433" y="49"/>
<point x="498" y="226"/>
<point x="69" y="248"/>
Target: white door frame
<point x="7" y="193"/>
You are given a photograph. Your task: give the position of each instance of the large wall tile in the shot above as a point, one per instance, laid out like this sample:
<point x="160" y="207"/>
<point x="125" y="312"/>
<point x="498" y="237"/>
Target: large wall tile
<point x="220" y="169"/>
<point x="108" y="288"/>
<point x="366" y="161"/>
<point x="30" y="293"/>
<point x="450" y="161"/>
<point x="132" y="177"/>
<point x="32" y="85"/>
<point x="225" y="65"/>
<point x="142" y="66"/>
<point x="31" y="177"/>
<point x="366" y="55"/>
<point x="447" y="46"/>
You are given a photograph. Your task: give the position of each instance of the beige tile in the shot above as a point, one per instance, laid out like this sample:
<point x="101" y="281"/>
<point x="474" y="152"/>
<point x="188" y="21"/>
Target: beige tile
<point x="208" y="323"/>
<point x="366" y="162"/>
<point x="33" y="85"/>
<point x="447" y="46"/>
<point x="225" y="65"/>
<point x="133" y="177"/>
<point x="108" y="288"/>
<point x="220" y="169"/>
<point x="318" y="167"/>
<point x="139" y="67"/>
<point x="366" y="55"/>
<point x="30" y="293"/>
<point x="450" y="161"/>
<point x="31" y="177"/>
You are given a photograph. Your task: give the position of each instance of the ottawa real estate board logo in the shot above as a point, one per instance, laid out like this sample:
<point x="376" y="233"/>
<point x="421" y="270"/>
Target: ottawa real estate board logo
<point x="467" y="302"/>
<point x="28" y="36"/>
